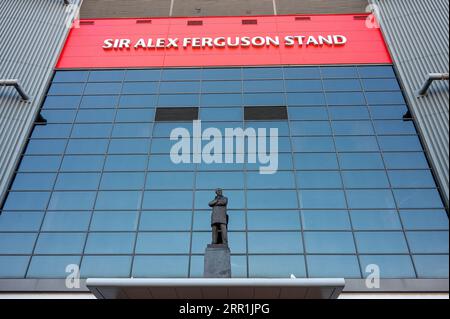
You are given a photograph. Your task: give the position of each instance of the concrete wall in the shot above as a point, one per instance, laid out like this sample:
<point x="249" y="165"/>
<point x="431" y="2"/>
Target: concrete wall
<point x="417" y="34"/>
<point x="32" y="34"/>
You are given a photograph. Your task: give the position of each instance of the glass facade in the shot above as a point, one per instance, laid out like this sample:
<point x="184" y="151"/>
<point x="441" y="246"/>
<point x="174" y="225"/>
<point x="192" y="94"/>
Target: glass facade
<point x="96" y="186"/>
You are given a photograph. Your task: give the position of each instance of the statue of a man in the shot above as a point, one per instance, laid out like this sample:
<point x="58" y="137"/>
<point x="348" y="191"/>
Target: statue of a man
<point x="219" y="218"/>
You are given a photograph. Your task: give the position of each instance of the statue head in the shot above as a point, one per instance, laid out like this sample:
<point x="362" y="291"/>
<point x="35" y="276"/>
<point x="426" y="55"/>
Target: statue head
<point x="219" y="191"/>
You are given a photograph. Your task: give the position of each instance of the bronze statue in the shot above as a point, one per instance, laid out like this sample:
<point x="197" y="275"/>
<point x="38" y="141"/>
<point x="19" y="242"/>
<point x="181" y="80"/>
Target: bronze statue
<point x="219" y="218"/>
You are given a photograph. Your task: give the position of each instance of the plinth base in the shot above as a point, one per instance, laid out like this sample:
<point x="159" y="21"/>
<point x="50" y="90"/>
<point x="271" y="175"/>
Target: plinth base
<point x="217" y="261"/>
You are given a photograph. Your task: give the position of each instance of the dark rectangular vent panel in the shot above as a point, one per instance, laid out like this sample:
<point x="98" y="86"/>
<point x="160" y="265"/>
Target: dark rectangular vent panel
<point x="249" y="21"/>
<point x="143" y="21"/>
<point x="262" y="113"/>
<point x="195" y="22"/>
<point x="87" y="22"/>
<point x="359" y="17"/>
<point x="168" y="114"/>
<point x="302" y="18"/>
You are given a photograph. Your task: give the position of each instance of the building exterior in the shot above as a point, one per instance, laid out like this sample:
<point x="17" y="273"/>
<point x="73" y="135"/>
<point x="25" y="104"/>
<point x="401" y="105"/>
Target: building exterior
<point x="359" y="183"/>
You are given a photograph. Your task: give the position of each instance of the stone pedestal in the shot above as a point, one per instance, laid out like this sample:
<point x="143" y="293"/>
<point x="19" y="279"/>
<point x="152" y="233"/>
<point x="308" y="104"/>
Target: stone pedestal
<point x="217" y="261"/>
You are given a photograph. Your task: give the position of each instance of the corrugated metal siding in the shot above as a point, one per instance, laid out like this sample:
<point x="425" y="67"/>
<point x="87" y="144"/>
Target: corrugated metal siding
<point x="417" y="34"/>
<point x="32" y="33"/>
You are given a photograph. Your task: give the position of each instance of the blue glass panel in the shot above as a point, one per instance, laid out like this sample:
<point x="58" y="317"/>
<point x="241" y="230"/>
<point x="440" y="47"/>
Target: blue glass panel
<point x="106" y="76"/>
<point x="338" y="72"/>
<point x="70" y="76"/>
<point x="137" y="101"/>
<point x="349" y="113"/>
<point x="228" y="180"/>
<point x="431" y="242"/>
<point x="262" y="73"/>
<point x="352" y="128"/>
<point x="26" y="201"/>
<point x="110" y="243"/>
<point x="278" y="180"/>
<point x="13" y="266"/>
<point x="170" y="180"/>
<point x="167" y="220"/>
<point x="365" y="179"/>
<point x="263" y="86"/>
<point x="390" y="266"/>
<point x="135" y="115"/>
<point x="132" y="130"/>
<point x="278" y="266"/>
<point x="418" y="198"/>
<point x="51" y="266"/>
<point x="306" y="99"/>
<point x="273" y="242"/>
<point x="165" y="200"/>
<point x="140" y="88"/>
<point x="313" y="144"/>
<point x="51" y="131"/>
<point x="430" y="266"/>
<point x="39" y="163"/>
<point x="388" y="112"/>
<point x="342" y="266"/>
<point x="381" y="85"/>
<point x="163" y="243"/>
<point x="325" y="220"/>
<point x="381" y="243"/>
<point x="303" y="86"/>
<point x="95" y="115"/>
<point x="222" y="114"/>
<point x="61" y="102"/>
<point x="237" y="242"/>
<point x="160" y="266"/>
<point x="51" y="147"/>
<point x="33" y="181"/>
<point x="307" y="113"/>
<point x="118" y="200"/>
<point x="129" y="146"/>
<point x="181" y="74"/>
<point x="235" y="199"/>
<point x="310" y="128"/>
<point x="178" y="100"/>
<point x="221" y="86"/>
<point x="272" y="199"/>
<point x="329" y="242"/>
<point x="342" y="85"/>
<point x="319" y="179"/>
<point x="102" y="88"/>
<point x="424" y="219"/>
<point x="164" y="129"/>
<point x="370" y="199"/>
<point x="89" y="163"/>
<point x="72" y="200"/>
<point x="122" y="181"/>
<point x="315" y="161"/>
<point x="394" y="127"/>
<point x="221" y="100"/>
<point x="179" y="87"/>
<point x="77" y="181"/>
<point x="87" y="146"/>
<point x="60" y="243"/>
<point x="66" y="89"/>
<point x="20" y="221"/>
<point x="143" y="75"/>
<point x="91" y="130"/>
<point x="301" y="73"/>
<point x="413" y="179"/>
<point x="282" y="126"/>
<point x="66" y="221"/>
<point x="105" y="266"/>
<point x="376" y="71"/>
<point x="273" y="220"/>
<point x="361" y="161"/>
<point x="284" y="163"/>
<point x="324" y="199"/>
<point x="356" y="144"/>
<point x="375" y="220"/>
<point x="163" y="162"/>
<point x="375" y="98"/>
<point x="100" y="101"/>
<point x="114" y="221"/>
<point x="125" y="163"/>
<point x="17" y="243"/>
<point x="250" y="99"/>
<point x="405" y="161"/>
<point x="222" y="74"/>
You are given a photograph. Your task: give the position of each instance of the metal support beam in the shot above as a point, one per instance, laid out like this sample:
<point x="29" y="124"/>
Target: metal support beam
<point x="17" y="86"/>
<point x="431" y="77"/>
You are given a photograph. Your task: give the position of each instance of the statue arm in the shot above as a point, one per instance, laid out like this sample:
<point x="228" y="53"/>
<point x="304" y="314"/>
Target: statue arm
<point x="212" y="203"/>
<point x="222" y="202"/>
